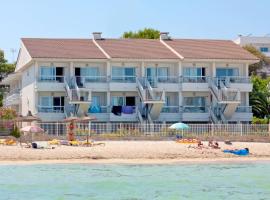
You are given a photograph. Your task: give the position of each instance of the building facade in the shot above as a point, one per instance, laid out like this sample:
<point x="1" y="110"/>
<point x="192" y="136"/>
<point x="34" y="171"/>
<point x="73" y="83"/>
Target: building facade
<point x="260" y="43"/>
<point x="132" y="80"/>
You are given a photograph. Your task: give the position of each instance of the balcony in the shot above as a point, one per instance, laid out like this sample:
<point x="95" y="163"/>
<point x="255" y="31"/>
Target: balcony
<point x="194" y="83"/>
<point x="195" y="113"/>
<point x="242" y="113"/>
<point x="50" y="113"/>
<point x="93" y="82"/>
<point x="169" y="113"/>
<point x="50" y="83"/>
<point x="123" y="83"/>
<point x="13" y="97"/>
<point x="100" y="112"/>
<point x="242" y="83"/>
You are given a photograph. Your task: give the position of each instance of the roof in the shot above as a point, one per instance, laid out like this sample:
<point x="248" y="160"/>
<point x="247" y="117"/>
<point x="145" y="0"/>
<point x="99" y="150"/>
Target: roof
<point x="136" y="49"/>
<point x="209" y="49"/>
<point x="62" y="48"/>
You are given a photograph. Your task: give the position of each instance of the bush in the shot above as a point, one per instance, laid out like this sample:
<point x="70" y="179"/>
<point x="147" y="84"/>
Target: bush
<point x="256" y="120"/>
<point x="15" y="132"/>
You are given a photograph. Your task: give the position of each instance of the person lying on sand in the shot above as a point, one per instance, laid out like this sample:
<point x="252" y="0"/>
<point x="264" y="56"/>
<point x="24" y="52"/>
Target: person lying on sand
<point x="213" y="144"/>
<point x="239" y="152"/>
<point x="199" y="145"/>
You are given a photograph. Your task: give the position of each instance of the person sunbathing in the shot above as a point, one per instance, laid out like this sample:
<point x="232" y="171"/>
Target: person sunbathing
<point x="239" y="152"/>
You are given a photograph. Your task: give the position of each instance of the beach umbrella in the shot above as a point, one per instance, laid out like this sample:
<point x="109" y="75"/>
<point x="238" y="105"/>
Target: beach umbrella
<point x="86" y="119"/>
<point x="179" y="126"/>
<point x="28" y="118"/>
<point x="71" y="119"/>
<point x="32" y="129"/>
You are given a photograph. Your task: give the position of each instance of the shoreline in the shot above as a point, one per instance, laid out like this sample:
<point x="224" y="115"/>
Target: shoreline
<point x="184" y="161"/>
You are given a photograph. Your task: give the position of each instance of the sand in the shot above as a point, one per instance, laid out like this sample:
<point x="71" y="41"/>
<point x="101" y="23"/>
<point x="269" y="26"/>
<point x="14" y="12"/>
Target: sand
<point x="133" y="152"/>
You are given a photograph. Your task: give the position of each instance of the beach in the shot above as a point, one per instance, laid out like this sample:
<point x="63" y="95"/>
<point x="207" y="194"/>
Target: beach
<point x="134" y="152"/>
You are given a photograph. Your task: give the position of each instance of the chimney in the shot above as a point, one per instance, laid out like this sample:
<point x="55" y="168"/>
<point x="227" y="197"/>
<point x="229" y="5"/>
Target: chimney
<point x="97" y="35"/>
<point x="164" y="35"/>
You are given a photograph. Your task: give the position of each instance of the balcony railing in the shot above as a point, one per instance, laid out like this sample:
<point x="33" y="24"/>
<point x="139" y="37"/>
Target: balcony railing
<point x="170" y="109"/>
<point x="51" y="109"/>
<point x="193" y="79"/>
<point x="195" y="109"/>
<point x="123" y="79"/>
<point x="58" y="79"/>
<point x="91" y="79"/>
<point x="168" y="79"/>
<point x="244" y="109"/>
<point x="234" y="79"/>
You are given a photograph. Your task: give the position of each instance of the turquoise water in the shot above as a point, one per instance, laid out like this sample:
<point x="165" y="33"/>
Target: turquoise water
<point x="82" y="181"/>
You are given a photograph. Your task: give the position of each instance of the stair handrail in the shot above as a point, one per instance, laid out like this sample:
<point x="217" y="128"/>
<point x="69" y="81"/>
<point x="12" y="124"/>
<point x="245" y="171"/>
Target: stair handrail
<point x="150" y="90"/>
<point x="214" y="89"/>
<point x="139" y="115"/>
<point x="213" y="115"/>
<point x="149" y="118"/>
<point x="68" y="89"/>
<point x="77" y="89"/>
<point x="140" y="89"/>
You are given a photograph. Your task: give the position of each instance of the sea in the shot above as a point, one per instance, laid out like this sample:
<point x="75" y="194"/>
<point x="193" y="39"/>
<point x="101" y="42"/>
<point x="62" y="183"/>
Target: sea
<point x="135" y="182"/>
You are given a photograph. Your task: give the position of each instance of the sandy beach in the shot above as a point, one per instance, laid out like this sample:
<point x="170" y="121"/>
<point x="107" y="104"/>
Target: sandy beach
<point x="140" y="152"/>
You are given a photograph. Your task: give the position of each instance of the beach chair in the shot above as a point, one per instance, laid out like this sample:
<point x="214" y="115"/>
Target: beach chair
<point x="54" y="142"/>
<point x="2" y="141"/>
<point x="10" y="142"/>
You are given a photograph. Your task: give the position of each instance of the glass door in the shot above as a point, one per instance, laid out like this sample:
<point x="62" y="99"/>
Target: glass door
<point x="151" y="74"/>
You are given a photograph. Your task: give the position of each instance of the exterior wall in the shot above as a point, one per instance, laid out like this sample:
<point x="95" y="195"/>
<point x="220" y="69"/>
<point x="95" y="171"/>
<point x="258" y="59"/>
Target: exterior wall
<point x="28" y="96"/>
<point x="23" y="58"/>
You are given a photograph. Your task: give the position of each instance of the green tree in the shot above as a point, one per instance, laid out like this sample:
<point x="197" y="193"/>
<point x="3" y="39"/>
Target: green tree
<point x="5" y="69"/>
<point x="146" y="33"/>
<point x="259" y="97"/>
<point x="253" y="68"/>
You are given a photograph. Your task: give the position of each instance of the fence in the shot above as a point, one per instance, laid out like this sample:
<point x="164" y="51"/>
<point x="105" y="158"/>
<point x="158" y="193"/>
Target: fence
<point x="162" y="130"/>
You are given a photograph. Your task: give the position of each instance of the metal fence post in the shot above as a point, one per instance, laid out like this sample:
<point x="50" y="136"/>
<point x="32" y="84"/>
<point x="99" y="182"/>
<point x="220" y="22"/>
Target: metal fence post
<point x="57" y="129"/>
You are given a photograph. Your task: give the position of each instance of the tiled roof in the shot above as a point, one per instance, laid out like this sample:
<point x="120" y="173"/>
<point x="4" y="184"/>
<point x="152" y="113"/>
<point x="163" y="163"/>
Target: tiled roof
<point x="136" y="49"/>
<point x="62" y="48"/>
<point x="209" y="49"/>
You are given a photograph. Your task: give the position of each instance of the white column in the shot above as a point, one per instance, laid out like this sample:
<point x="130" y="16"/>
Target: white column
<point x="108" y="98"/>
<point x="71" y="70"/>
<point x="108" y="69"/>
<point x="246" y="70"/>
<point x="247" y="99"/>
<point x="180" y="68"/>
<point x="143" y="69"/>
<point x="213" y="69"/>
<point x="34" y="102"/>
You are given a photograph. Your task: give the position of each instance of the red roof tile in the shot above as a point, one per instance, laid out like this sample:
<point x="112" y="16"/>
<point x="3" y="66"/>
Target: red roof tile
<point x="136" y="49"/>
<point x="209" y="49"/>
<point x="62" y="48"/>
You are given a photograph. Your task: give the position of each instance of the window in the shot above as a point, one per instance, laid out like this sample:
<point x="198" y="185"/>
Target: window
<point x="264" y="49"/>
<point x="118" y="101"/>
<point x="194" y="72"/>
<point x="223" y="72"/>
<point x="52" y="104"/>
<point x="194" y="104"/>
<point x="47" y="73"/>
<point x="96" y="100"/>
<point x="123" y="74"/>
<point x="163" y="73"/>
<point x="90" y="73"/>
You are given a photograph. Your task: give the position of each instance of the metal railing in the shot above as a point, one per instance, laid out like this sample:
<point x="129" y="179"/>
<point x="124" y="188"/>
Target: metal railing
<point x="167" y="79"/>
<point x="234" y="79"/>
<point x="244" y="109"/>
<point x="50" y="109"/>
<point x="58" y="79"/>
<point x="193" y="79"/>
<point x="170" y="109"/>
<point x="160" y="130"/>
<point x="195" y="109"/>
<point x="123" y="79"/>
<point x="91" y="79"/>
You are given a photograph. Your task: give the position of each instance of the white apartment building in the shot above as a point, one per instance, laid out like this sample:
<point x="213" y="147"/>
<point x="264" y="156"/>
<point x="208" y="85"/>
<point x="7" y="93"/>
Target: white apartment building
<point x="260" y="43"/>
<point x="132" y="80"/>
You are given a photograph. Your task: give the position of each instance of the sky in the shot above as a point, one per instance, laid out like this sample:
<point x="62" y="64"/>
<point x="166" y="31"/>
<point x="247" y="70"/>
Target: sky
<point x="213" y="19"/>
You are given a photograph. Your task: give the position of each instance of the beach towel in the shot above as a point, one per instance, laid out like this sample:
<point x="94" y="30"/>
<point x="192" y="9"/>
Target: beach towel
<point x="127" y="109"/>
<point x="239" y="152"/>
